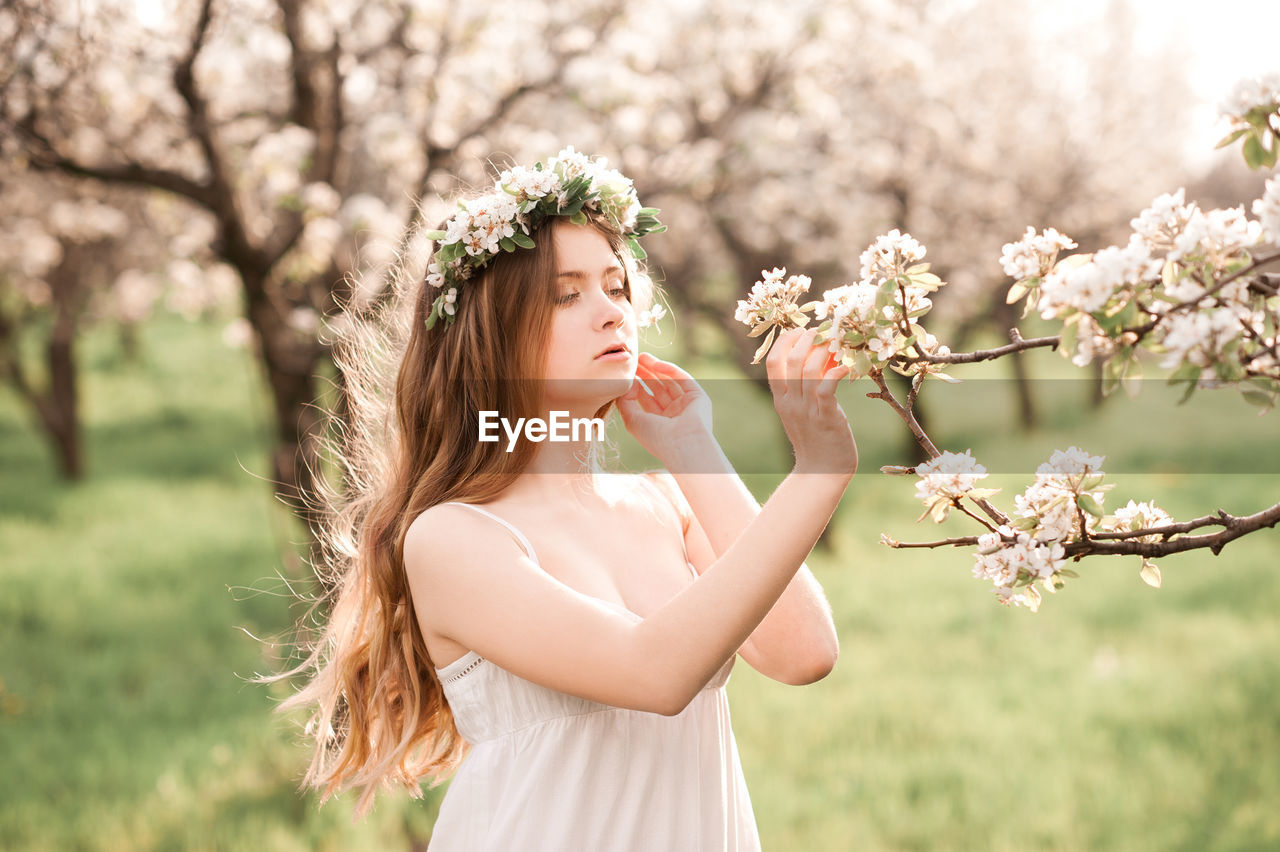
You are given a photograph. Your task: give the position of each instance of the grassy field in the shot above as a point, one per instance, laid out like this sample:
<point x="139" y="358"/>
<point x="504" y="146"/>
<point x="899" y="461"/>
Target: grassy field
<point x="1119" y="717"/>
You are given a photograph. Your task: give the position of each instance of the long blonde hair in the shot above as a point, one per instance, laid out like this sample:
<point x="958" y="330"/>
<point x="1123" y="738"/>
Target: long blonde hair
<point x="379" y="717"/>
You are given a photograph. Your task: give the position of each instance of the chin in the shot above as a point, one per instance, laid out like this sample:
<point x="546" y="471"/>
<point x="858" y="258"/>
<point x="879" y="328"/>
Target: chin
<point x="590" y="393"/>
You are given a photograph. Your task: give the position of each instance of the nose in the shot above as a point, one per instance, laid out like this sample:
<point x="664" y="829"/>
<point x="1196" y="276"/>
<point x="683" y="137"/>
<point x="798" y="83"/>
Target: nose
<point x="608" y="311"/>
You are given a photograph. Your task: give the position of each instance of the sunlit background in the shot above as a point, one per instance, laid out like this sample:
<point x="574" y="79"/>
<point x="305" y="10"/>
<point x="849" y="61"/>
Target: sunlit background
<point x="181" y="216"/>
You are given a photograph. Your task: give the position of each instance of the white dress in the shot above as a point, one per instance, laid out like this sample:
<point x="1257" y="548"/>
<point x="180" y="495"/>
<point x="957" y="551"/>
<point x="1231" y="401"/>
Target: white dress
<point x="551" y="771"/>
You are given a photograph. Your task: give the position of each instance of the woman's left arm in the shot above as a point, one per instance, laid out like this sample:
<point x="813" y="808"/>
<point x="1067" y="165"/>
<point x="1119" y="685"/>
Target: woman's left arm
<point x="796" y="643"/>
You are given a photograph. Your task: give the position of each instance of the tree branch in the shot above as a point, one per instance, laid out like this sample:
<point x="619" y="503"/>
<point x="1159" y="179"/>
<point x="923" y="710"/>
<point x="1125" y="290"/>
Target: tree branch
<point x="237" y="247"/>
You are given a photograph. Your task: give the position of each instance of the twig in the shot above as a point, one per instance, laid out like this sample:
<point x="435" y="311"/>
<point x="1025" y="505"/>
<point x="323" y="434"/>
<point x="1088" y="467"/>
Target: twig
<point x="963" y="541"/>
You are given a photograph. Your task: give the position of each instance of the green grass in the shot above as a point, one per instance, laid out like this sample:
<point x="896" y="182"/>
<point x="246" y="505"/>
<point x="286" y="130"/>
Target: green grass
<point x="1119" y="717"/>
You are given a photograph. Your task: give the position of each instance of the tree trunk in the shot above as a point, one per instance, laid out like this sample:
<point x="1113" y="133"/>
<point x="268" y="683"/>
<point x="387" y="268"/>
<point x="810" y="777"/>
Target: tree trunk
<point x="290" y="362"/>
<point x="63" y="421"/>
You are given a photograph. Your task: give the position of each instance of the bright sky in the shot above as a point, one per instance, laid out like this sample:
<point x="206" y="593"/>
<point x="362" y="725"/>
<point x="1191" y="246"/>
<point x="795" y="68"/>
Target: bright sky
<point x="1225" y="41"/>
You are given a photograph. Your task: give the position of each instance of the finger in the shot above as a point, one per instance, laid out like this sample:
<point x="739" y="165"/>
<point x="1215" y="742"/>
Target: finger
<point x="659" y="386"/>
<point x="815" y="363"/>
<point x="831" y="379"/>
<point x="685" y="382"/>
<point x="775" y="362"/>
<point x="639" y="398"/>
<point x="796" y="359"/>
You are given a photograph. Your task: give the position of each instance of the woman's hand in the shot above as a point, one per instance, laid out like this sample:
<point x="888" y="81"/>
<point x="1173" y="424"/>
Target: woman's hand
<point x="677" y="411"/>
<point x="803" y="381"/>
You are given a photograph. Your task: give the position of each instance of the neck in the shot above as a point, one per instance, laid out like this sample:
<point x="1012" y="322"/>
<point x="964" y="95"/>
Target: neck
<point x="564" y="470"/>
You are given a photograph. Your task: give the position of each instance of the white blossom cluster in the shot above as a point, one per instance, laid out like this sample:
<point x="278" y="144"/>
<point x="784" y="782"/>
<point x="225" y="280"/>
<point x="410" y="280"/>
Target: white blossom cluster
<point x="1267" y="209"/>
<point x="1013" y="560"/>
<point x="773" y="299"/>
<point x="868" y="322"/>
<point x="861" y="321"/>
<point x="521" y="198"/>
<point x="1089" y="286"/>
<point x="1175" y="256"/>
<point x="1034" y="255"/>
<point x="1252" y="93"/>
<point x="1051" y="501"/>
<point x="949" y="476"/>
<point x="890" y="254"/>
<point x="1160" y="223"/>
<point x="1136" y="516"/>
<point x="1091" y="342"/>
<point x="1062" y="506"/>
<point x="852" y="311"/>
<point x="483" y="222"/>
<point x="1202" y="338"/>
<point x="1217" y="234"/>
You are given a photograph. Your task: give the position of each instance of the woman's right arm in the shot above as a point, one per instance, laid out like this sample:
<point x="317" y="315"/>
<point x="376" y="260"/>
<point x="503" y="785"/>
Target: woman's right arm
<point x="483" y="592"/>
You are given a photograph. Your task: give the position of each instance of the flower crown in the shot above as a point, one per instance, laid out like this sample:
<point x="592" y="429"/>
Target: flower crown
<point x="521" y="200"/>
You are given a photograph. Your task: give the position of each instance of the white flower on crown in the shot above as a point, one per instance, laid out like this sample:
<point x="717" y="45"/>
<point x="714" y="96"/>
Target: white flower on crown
<point x="434" y="277"/>
<point x="570" y="163"/>
<point x="525" y="183"/>
<point x="521" y="199"/>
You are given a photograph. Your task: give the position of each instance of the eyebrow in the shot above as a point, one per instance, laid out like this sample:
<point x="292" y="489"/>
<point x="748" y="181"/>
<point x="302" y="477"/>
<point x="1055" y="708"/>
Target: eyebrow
<point x="579" y="275"/>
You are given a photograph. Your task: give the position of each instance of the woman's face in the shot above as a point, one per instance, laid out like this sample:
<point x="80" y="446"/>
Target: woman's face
<point x="592" y="314"/>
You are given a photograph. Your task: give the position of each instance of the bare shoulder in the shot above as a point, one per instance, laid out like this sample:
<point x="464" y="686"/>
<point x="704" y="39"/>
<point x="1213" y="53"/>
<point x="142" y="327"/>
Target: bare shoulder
<point x="447" y="541"/>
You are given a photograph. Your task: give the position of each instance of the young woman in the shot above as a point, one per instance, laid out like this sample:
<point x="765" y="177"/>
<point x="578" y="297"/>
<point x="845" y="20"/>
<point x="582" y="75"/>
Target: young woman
<point x="570" y="630"/>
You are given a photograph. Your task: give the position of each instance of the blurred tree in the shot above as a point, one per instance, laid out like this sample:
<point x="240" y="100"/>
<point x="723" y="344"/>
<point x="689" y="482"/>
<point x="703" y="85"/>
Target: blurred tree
<point x="301" y="133"/>
<point x="299" y="130"/>
<point x="53" y="256"/>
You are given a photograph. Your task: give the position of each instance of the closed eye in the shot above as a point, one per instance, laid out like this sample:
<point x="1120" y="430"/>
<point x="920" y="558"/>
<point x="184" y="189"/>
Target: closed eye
<point x="614" y="292"/>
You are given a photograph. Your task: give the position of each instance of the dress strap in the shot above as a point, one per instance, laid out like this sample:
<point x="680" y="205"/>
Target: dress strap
<point x="519" y="535"/>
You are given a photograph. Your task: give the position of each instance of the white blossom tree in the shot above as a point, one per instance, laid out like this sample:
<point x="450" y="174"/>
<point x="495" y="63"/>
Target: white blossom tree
<point x="1193" y="286"/>
<point x="296" y="133"/>
<point x="296" y="137"/>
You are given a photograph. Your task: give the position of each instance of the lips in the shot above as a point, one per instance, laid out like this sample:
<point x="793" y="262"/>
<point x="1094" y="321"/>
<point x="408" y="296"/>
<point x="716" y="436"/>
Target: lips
<point x="616" y="347"/>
